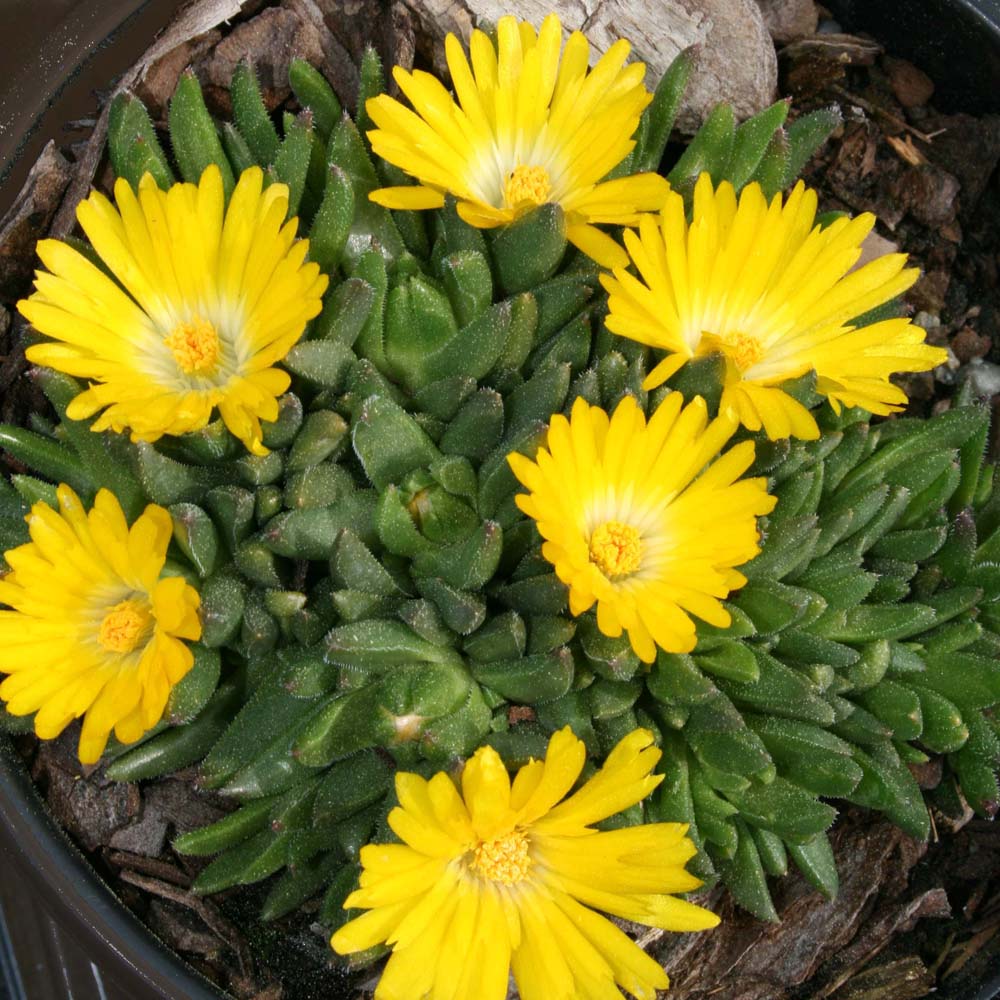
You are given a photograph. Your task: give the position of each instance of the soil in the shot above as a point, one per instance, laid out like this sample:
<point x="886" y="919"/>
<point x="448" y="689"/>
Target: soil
<point x="911" y="919"/>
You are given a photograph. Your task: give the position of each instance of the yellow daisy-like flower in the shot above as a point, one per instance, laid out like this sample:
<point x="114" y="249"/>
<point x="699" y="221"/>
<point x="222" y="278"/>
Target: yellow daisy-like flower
<point x="529" y="128"/>
<point x="94" y="630"/>
<point x="508" y="875"/>
<point x="765" y="286"/>
<point x="209" y="299"/>
<point x="645" y="519"/>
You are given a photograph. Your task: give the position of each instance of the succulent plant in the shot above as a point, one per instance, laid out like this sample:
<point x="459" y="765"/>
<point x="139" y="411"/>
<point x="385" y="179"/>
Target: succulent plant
<point x="373" y="598"/>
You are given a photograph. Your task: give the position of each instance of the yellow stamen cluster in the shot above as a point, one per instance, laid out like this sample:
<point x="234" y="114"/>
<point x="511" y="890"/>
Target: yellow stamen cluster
<point x="745" y="350"/>
<point x="504" y="859"/>
<point x="195" y="346"/>
<point x="527" y="184"/>
<point x="124" y="626"/>
<point x="616" y="549"/>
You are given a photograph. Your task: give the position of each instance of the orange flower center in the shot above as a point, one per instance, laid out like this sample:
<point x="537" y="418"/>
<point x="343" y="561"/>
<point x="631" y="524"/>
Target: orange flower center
<point x="745" y="350"/>
<point x="529" y="185"/>
<point x="195" y="346"/>
<point x="124" y="626"/>
<point x="616" y="548"/>
<point x="504" y="859"/>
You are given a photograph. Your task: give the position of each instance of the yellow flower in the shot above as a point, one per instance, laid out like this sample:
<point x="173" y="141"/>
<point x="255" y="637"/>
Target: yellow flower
<point x="635" y="518"/>
<point x="509" y="875"/>
<point x="775" y="294"/>
<point x="527" y="129"/>
<point x="206" y="299"/>
<point x="94" y="630"/>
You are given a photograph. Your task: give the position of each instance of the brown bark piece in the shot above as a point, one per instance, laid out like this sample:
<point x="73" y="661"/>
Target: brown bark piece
<point x="91" y="808"/>
<point x="905" y="979"/>
<point x="750" y="959"/>
<point x="28" y="220"/>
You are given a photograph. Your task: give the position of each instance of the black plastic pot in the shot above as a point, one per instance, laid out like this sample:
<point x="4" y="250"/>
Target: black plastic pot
<point x="63" y="934"/>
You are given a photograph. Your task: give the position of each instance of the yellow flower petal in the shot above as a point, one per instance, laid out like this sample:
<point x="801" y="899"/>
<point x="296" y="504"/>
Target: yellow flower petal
<point x="94" y="632"/>
<point x="486" y="790"/>
<point x="215" y="296"/>
<point x="639" y="518"/>
<point x="523" y="129"/>
<point x="517" y="898"/>
<point x="773" y="293"/>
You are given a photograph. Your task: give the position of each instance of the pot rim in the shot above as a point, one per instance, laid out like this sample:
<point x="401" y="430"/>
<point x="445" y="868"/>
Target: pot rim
<point x="71" y="891"/>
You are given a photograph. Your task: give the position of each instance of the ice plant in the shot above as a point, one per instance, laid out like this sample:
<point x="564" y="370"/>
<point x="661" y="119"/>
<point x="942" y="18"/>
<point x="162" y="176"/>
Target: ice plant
<point x="774" y="293"/>
<point x="505" y="875"/>
<point x="643" y="518"/>
<point x="208" y="298"/>
<point x="528" y="128"/>
<point x="397" y="609"/>
<point x="94" y="628"/>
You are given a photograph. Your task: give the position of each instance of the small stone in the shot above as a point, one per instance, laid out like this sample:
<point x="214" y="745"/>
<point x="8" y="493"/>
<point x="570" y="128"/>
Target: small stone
<point x="912" y="86"/>
<point x="968" y="147"/>
<point x="928" y="774"/>
<point x="874" y="246"/>
<point x="984" y="377"/>
<point x="968" y="344"/>
<point x="928" y="294"/>
<point x="789" y="20"/>
<point x="928" y="194"/>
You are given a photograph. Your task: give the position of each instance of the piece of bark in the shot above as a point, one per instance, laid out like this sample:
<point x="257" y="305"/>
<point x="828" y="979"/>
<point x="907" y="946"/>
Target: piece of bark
<point x="182" y="931"/>
<point x="747" y="958"/>
<point x="28" y="220"/>
<point x="270" y="41"/>
<point x="849" y="49"/>
<point x="904" y="979"/>
<point x="146" y="836"/>
<point x="393" y="29"/>
<point x="82" y="799"/>
<point x="226" y="931"/>
<point x="182" y="805"/>
<point x="156" y="867"/>
<point x="889" y="921"/>
<point x="159" y="80"/>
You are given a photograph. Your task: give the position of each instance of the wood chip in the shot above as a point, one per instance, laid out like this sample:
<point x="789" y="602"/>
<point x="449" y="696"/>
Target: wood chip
<point x="906" y="150"/>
